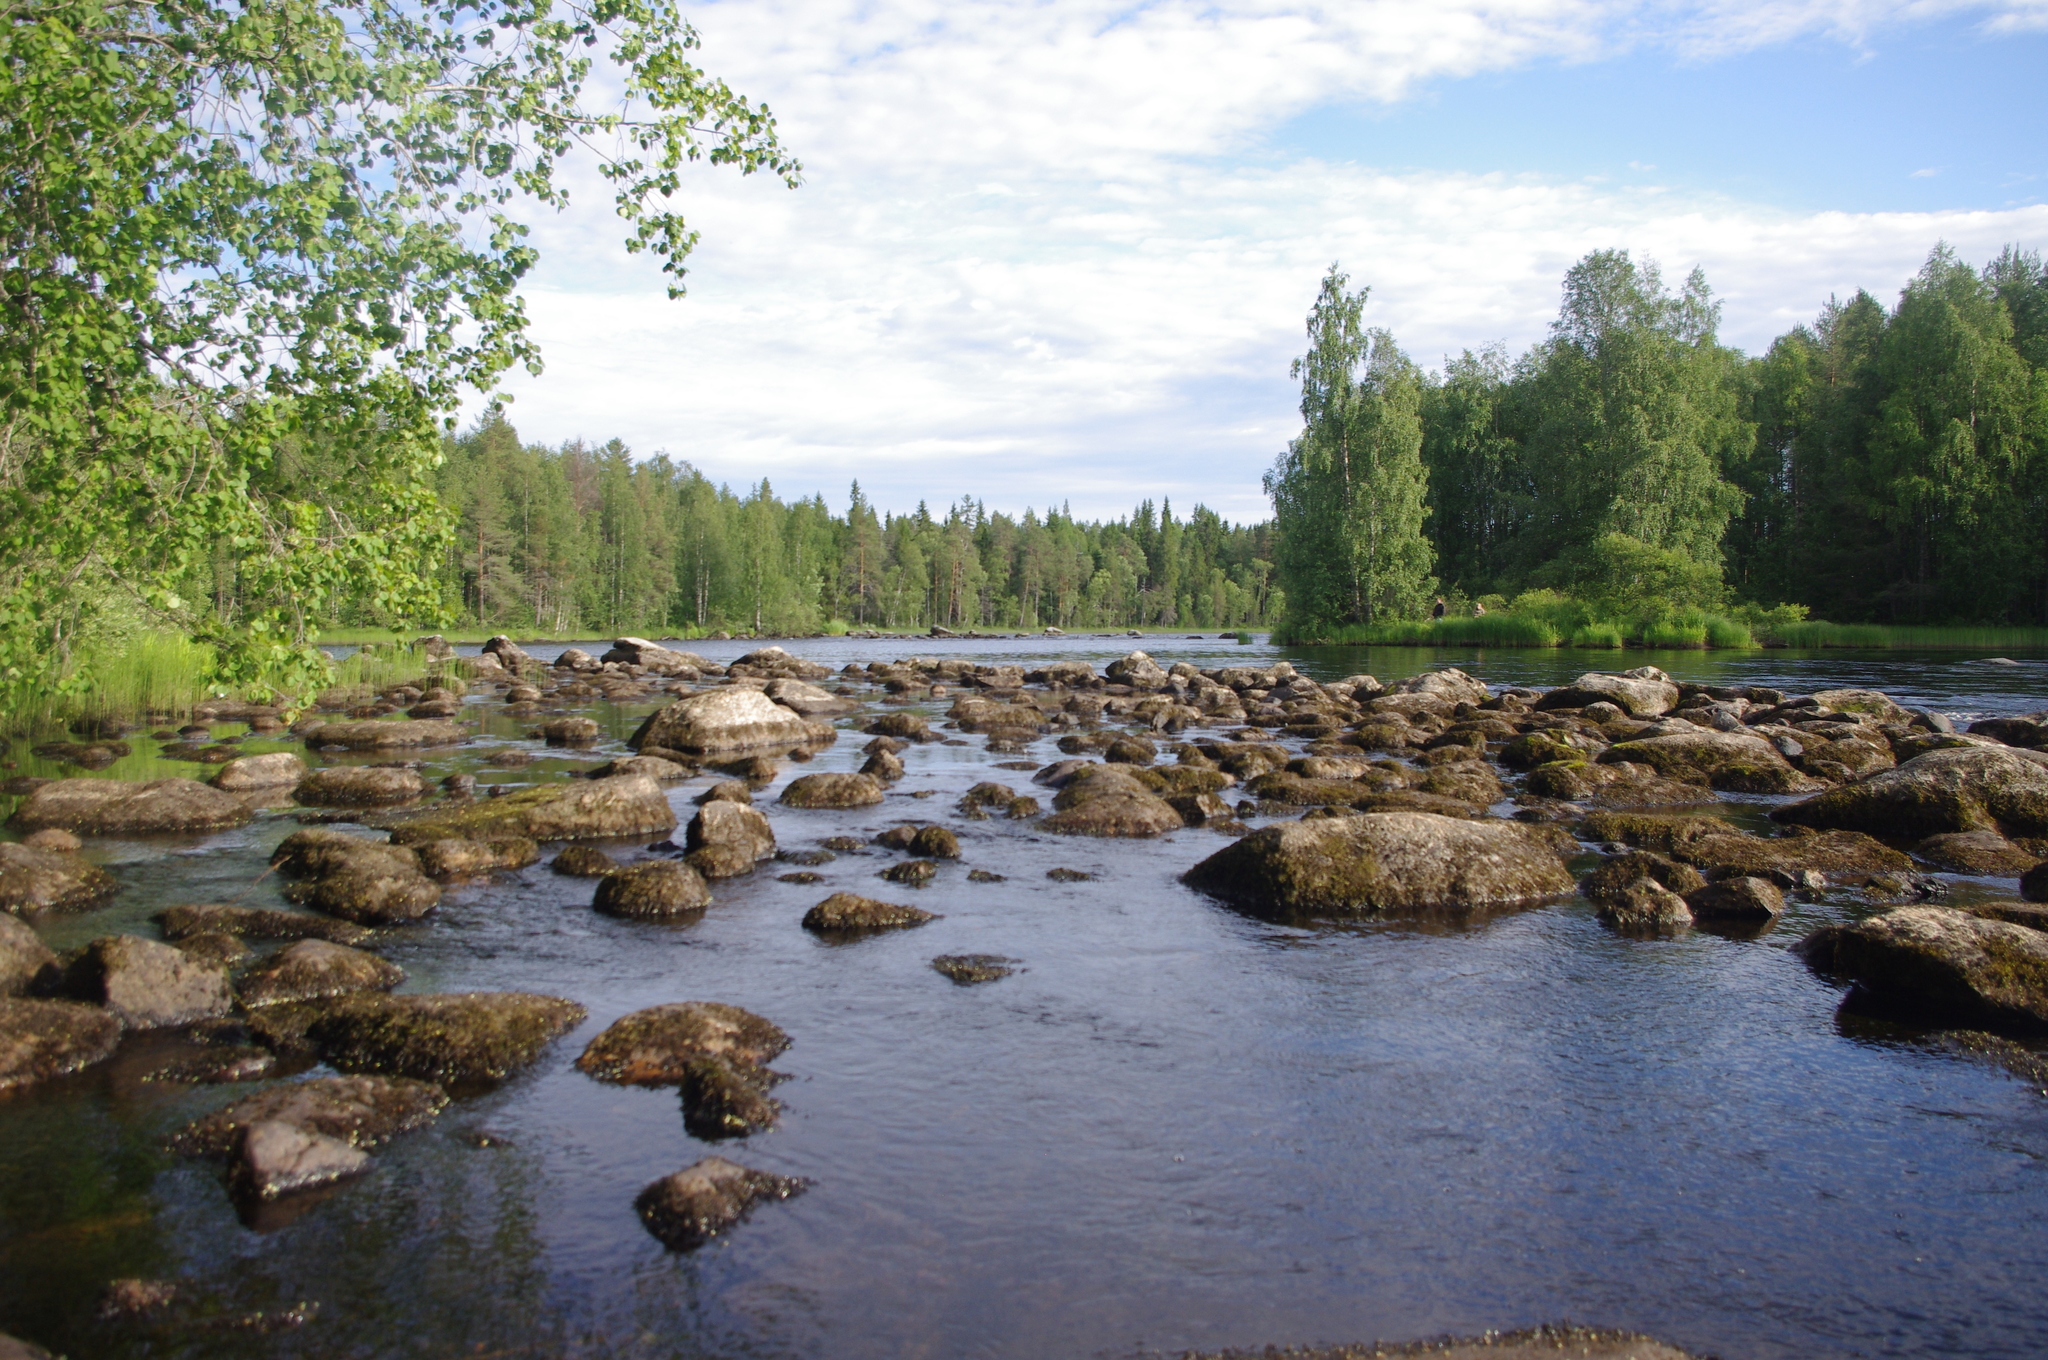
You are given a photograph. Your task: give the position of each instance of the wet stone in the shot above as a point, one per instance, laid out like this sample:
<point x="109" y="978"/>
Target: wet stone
<point x="967" y="969"/>
<point x="848" y="913"/>
<point x="460" y="1037"/>
<point x="1742" y="900"/>
<point x="360" y="1111"/>
<point x="257" y="923"/>
<point x="831" y="791"/>
<point x="359" y="786"/>
<point x="147" y="985"/>
<point x="985" y="876"/>
<point x="458" y="858"/>
<point x="1065" y="875"/>
<point x="652" y="1047"/>
<point x="44" y="1039"/>
<point x="655" y="891"/>
<point x="27" y="965"/>
<point x="312" y="969"/>
<point x="809" y="857"/>
<point x="725" y="1096"/>
<point x="277" y="1159"/>
<point x="583" y="861"/>
<point x="1644" y="907"/>
<point x="690" y="1207"/>
<point x="802" y="878"/>
<point x="916" y="873"/>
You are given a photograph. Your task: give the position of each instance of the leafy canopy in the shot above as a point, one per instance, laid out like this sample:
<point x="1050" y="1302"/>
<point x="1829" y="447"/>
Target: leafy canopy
<point x="252" y="254"/>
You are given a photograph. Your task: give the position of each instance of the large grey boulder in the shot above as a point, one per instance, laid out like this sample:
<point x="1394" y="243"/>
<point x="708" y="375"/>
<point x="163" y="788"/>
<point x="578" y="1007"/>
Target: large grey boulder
<point x="1450" y="685"/>
<point x="146" y="984"/>
<point x="633" y="651"/>
<point x="807" y="699"/>
<point x="1383" y="864"/>
<point x="726" y="720"/>
<point x="726" y="839"/>
<point x="44" y="1039"/>
<point x="584" y="809"/>
<point x="123" y="807"/>
<point x="1644" y="693"/>
<point x="34" y="879"/>
<point x="1942" y="965"/>
<point x="1967" y="789"/>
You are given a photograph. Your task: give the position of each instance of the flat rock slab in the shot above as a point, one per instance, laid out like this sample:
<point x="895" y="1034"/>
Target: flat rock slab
<point x="459" y="1037"/>
<point x="123" y="807"/>
<point x="44" y="1039"/>
<point x="652" y="1047"/>
<point x="377" y="735"/>
<point x="465" y="858"/>
<point x="359" y="786"/>
<point x="245" y="774"/>
<point x="1942" y="965"/>
<point x="596" y="809"/>
<point x="832" y="791"/>
<point x="361" y="1111"/>
<point x="256" y="923"/>
<point x="1382" y="864"/>
<point x="36" y="879"/>
<point x="690" y="1207"/>
<point x="313" y="969"/>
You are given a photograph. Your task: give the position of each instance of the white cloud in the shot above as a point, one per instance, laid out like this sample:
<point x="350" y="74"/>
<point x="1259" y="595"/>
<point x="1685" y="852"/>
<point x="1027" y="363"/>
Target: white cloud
<point x="1038" y="257"/>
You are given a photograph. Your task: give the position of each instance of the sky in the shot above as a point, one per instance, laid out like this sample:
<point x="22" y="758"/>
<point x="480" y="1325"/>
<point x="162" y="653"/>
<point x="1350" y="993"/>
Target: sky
<point x="1060" y="252"/>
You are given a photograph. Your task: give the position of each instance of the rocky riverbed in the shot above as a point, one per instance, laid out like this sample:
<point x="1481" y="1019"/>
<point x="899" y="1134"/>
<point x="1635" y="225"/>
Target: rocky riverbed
<point x="626" y="1000"/>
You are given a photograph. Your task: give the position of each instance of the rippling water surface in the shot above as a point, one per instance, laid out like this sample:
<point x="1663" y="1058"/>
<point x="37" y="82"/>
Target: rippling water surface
<point x="1176" y="1127"/>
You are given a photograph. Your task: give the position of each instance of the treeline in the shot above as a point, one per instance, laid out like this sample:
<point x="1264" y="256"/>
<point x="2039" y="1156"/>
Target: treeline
<point x="582" y="540"/>
<point x="1881" y="465"/>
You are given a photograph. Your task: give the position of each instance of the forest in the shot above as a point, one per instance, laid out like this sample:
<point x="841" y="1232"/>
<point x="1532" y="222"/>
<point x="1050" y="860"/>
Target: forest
<point x="579" y="541"/>
<point x="1881" y="465"/>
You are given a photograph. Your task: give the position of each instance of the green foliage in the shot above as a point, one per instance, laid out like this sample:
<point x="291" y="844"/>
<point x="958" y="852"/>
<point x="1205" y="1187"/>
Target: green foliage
<point x="1817" y="635"/>
<point x="254" y="254"/>
<point x="1348" y="495"/>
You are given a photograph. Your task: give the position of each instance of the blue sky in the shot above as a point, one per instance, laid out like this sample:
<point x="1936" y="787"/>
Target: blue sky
<point x="1051" y="250"/>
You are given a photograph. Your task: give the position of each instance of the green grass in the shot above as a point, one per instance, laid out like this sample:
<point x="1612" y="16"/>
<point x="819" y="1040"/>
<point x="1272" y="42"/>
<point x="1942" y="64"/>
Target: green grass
<point x="1817" y="635"/>
<point x="1549" y="621"/>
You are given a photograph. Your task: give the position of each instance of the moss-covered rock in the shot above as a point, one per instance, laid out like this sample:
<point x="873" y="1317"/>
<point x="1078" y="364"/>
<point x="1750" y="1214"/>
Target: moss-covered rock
<point x="1976" y="852"/>
<point x="1941" y="965"/>
<point x="1733" y="762"/>
<point x="1830" y="852"/>
<point x="465" y="858"/>
<point x="378" y="735"/>
<point x="1614" y="786"/>
<point x="583" y="861"/>
<point x="847" y="914"/>
<point x="312" y="969"/>
<point x="696" y="1204"/>
<point x="447" y="1038"/>
<point x="651" y="1047"/>
<point x="1615" y="874"/>
<point x="273" y="770"/>
<point x="965" y="970"/>
<point x="727" y="1097"/>
<point x="1654" y="830"/>
<point x="360" y="786"/>
<point x="596" y="809"/>
<point x="1382" y="864"/>
<point x="257" y="923"/>
<point x="1110" y="801"/>
<point x="1742" y="900"/>
<point x="831" y="791"/>
<point x="360" y="1111"/>
<point x="1643" y="906"/>
<point x="121" y="807"/>
<point x="44" y="1039"/>
<point x="34" y="879"/>
<point x="740" y="830"/>
<point x="369" y="882"/>
<point x="657" y="890"/>
<point x="1968" y="789"/>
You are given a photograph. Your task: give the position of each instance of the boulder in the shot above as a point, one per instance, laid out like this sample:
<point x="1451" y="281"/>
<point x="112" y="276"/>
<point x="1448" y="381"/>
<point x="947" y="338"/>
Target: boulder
<point x="807" y="700"/>
<point x="652" y="1047"/>
<point x="276" y="770"/>
<point x="935" y="842"/>
<point x="1644" y="907"/>
<point x="1450" y="685"/>
<point x="147" y="985"/>
<point x="444" y="1037"/>
<point x="1734" y="762"/>
<point x="122" y="807"/>
<point x="721" y="721"/>
<point x="26" y="963"/>
<point x="312" y="969"/>
<point x="902" y="727"/>
<point x="690" y="1207"/>
<point x="1619" y="873"/>
<point x="360" y="786"/>
<point x="2029" y="730"/>
<point x="34" y="879"/>
<point x="1382" y="864"/>
<point x="462" y="858"/>
<point x="845" y="913"/>
<point x="44" y="1039"/>
<point x="725" y="1097"/>
<point x="653" y="767"/>
<point x="1137" y="670"/>
<point x="915" y="873"/>
<point x="596" y="809"/>
<point x="773" y="661"/>
<point x="368" y="882"/>
<point x="569" y="732"/>
<point x="1868" y="701"/>
<point x="277" y="1159"/>
<point x="360" y="1111"/>
<point x="377" y="734"/>
<point x="661" y="660"/>
<point x="1941" y="965"/>
<point x="964" y="970"/>
<point x="1110" y="800"/>
<point x="1625" y="785"/>
<point x="739" y="831"/>
<point x="1984" y="853"/>
<point x="583" y="861"/>
<point x="653" y="891"/>
<point x="884" y="767"/>
<point x="1644" y="693"/>
<point x="1745" y="900"/>
<point x="256" y="923"/>
<point x="1832" y="852"/>
<point x="831" y="791"/>
<point x="1968" y="789"/>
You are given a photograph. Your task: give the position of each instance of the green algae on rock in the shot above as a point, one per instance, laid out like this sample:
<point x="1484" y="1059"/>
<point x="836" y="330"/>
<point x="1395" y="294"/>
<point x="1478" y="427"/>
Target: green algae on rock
<point x="651" y="1047"/>
<point x="655" y="890"/>
<point x="595" y="809"/>
<point x="444" y="1037"/>
<point x="1966" y="789"/>
<point x="1942" y="965"/>
<point x="34" y="879"/>
<point x="122" y="807"/>
<point x="688" y="1208"/>
<point x="361" y="1111"/>
<point x="847" y="914"/>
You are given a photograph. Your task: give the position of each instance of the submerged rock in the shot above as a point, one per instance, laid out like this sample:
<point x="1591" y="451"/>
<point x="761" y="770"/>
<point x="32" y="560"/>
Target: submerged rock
<point x="1643" y="907"/>
<point x="377" y="734"/>
<point x="257" y="923"/>
<point x="657" y="890"/>
<point x="1967" y="789"/>
<point x="831" y="791"/>
<point x="846" y="913"/>
<point x="1380" y="864"/>
<point x="583" y="861"/>
<point x="725" y="720"/>
<point x="652" y="1047"/>
<point x="277" y="769"/>
<point x="277" y="1159"/>
<point x="725" y="1096"/>
<point x="1112" y="801"/>
<point x="447" y="1037"/>
<point x="360" y="1111"/>
<point x="121" y="807"/>
<point x="147" y="985"/>
<point x="1942" y="965"/>
<point x="36" y="879"/>
<point x="596" y="809"/>
<point x="690" y="1207"/>
<point x="967" y="969"/>
<point x="360" y="786"/>
<point x="44" y="1039"/>
<point x="312" y="969"/>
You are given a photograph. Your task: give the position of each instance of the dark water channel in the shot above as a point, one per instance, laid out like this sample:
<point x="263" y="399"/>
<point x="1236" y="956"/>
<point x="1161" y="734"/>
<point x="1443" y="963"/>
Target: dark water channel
<point x="1176" y="1127"/>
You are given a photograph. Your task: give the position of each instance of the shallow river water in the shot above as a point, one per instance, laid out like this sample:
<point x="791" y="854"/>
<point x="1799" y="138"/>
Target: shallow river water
<point x="1176" y="1127"/>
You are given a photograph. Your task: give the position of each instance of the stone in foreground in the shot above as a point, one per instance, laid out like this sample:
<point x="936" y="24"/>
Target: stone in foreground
<point x="314" y="969"/>
<point x="1941" y="965"/>
<point x="44" y="1039"/>
<point x="657" y="890"/>
<point x="1382" y="864"/>
<point x="694" y="1205"/>
<point x="462" y="1037"/>
<point x="277" y="1159"/>
<point x="652" y="1047"/>
<point x="595" y="809"/>
<point x="361" y="1111"/>
<point x="1970" y="788"/>
<point x="122" y="807"/>
<point x="148" y="985"/>
<point x="36" y="879"/>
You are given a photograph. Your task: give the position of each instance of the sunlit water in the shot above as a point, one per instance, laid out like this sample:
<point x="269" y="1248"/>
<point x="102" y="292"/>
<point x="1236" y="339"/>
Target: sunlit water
<point x="1176" y="1127"/>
